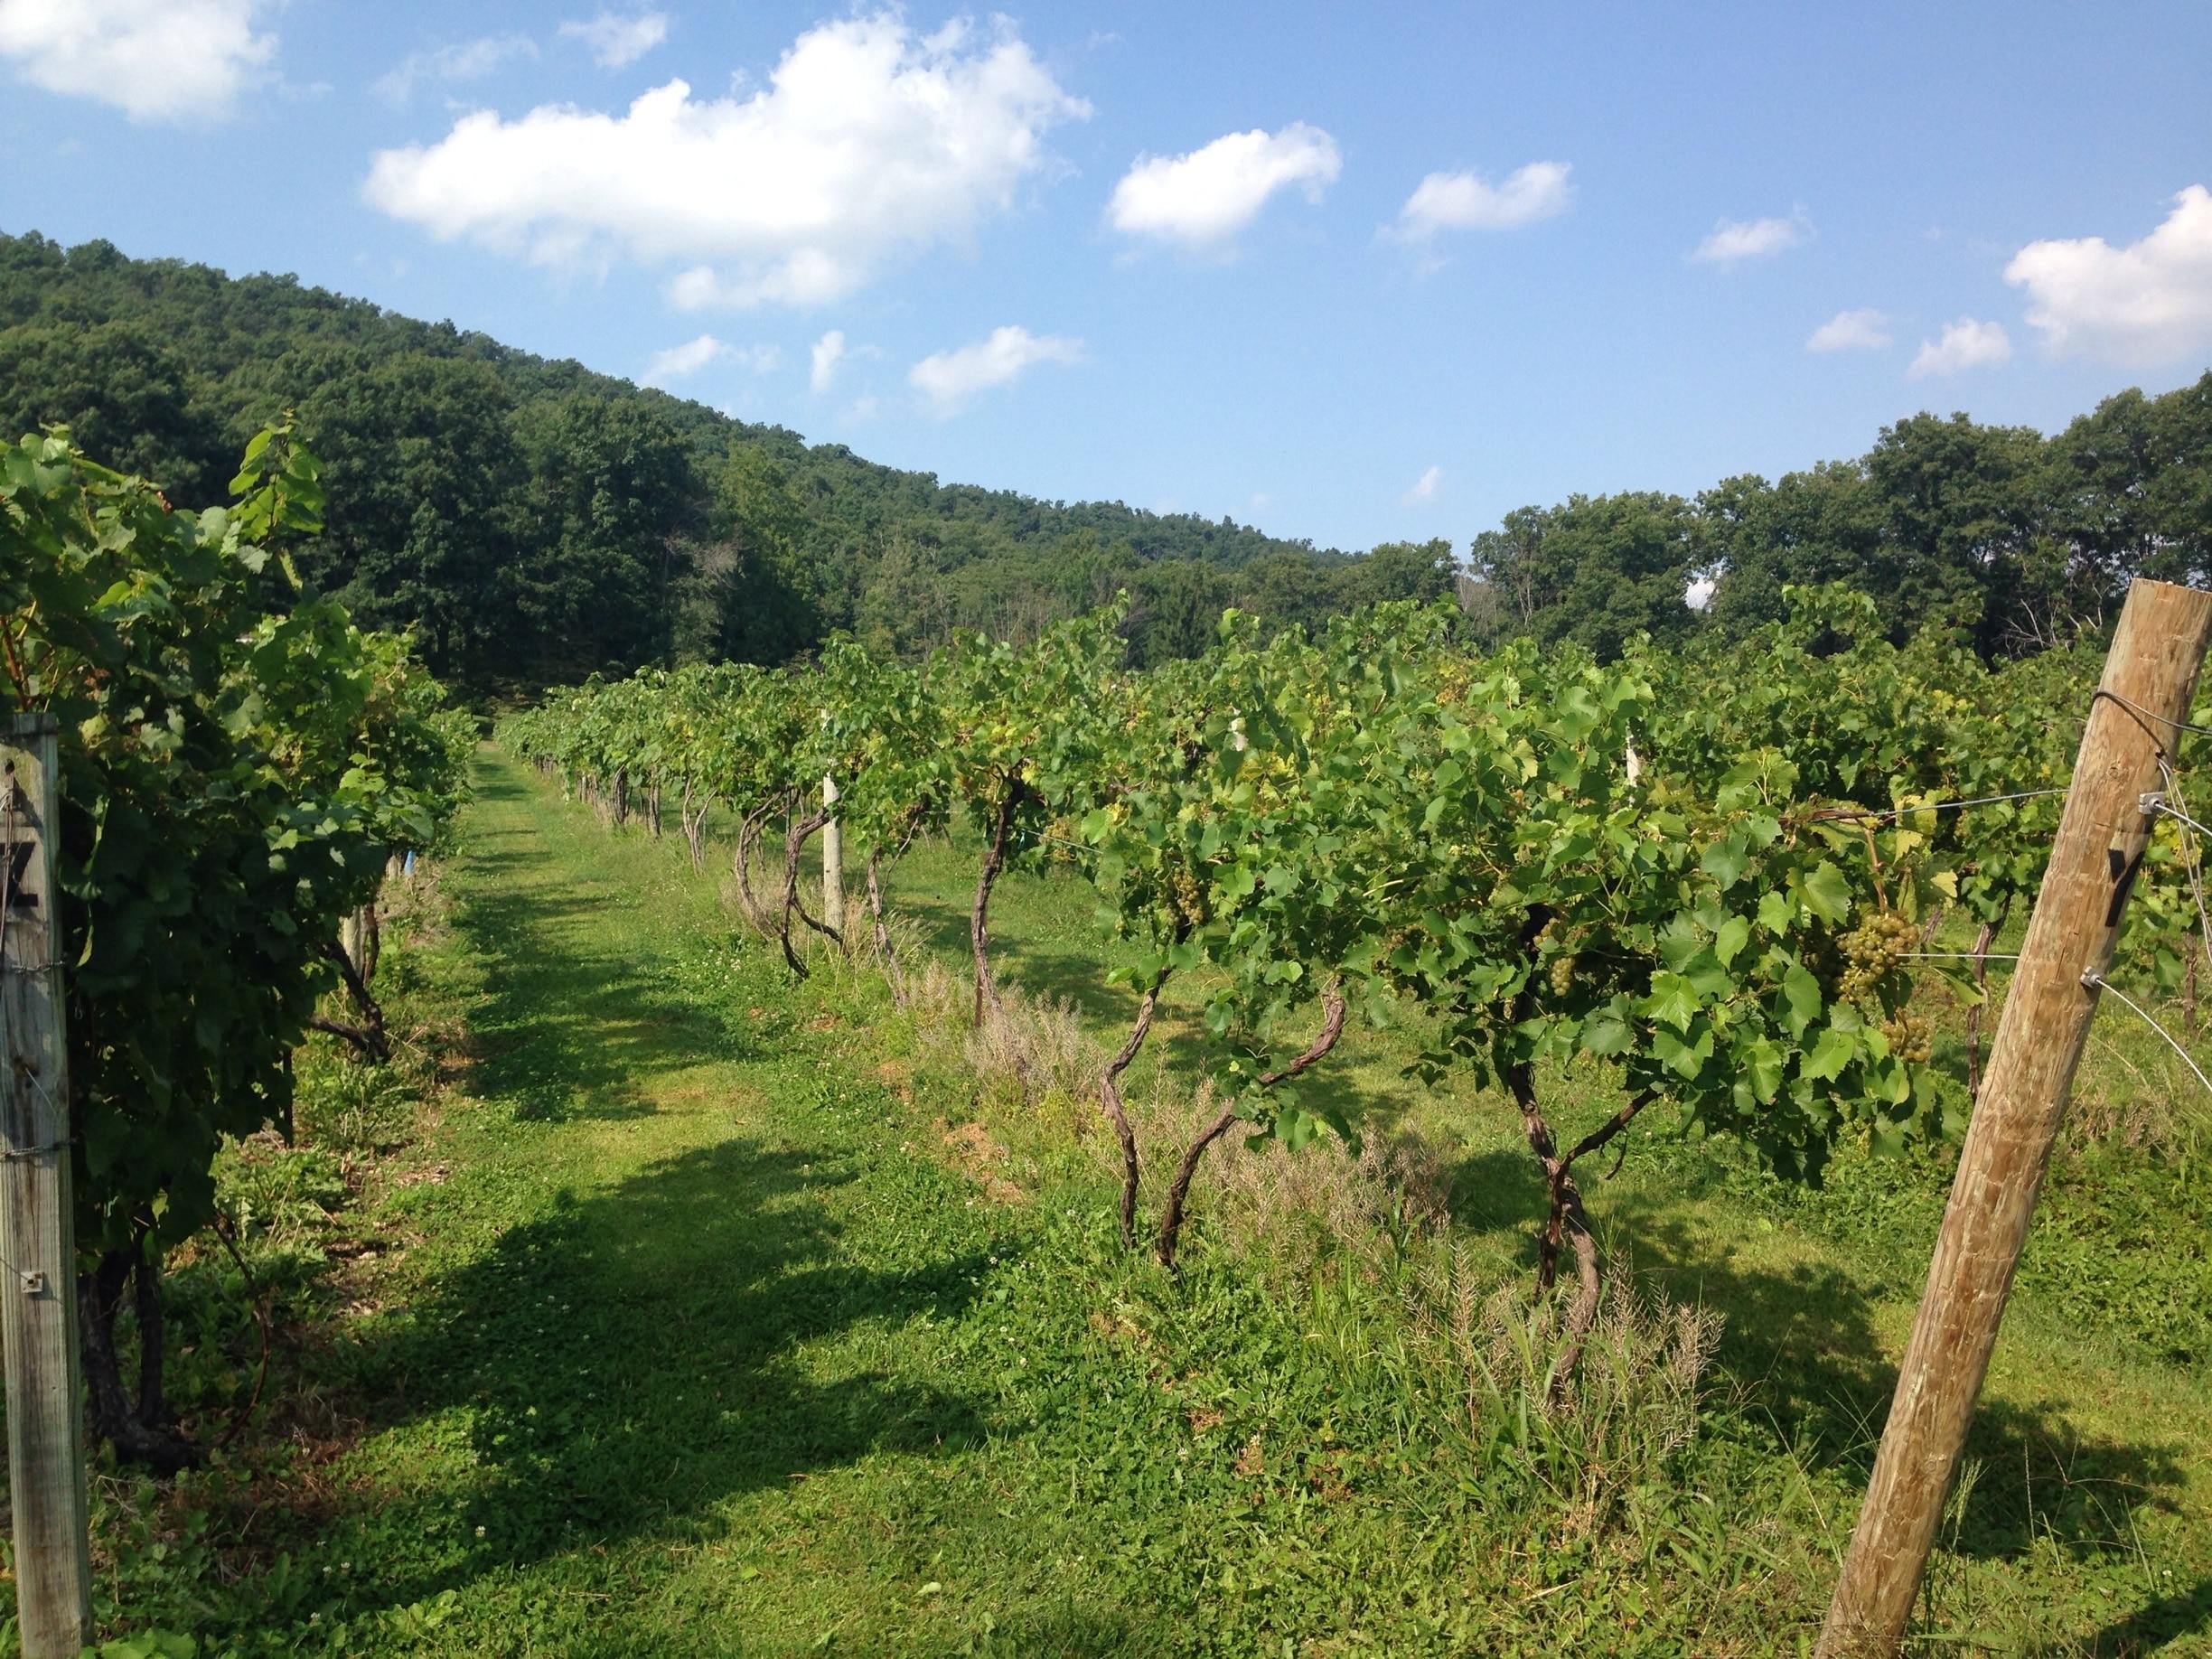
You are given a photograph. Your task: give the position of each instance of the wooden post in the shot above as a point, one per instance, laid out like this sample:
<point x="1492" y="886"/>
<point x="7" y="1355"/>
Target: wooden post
<point x="833" y="859"/>
<point x="2150" y="678"/>
<point x="38" y="1264"/>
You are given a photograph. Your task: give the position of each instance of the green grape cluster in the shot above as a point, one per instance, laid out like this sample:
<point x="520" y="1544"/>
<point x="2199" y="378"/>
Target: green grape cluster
<point x="1875" y="947"/>
<point x="1188" y="898"/>
<point x="1911" y="1038"/>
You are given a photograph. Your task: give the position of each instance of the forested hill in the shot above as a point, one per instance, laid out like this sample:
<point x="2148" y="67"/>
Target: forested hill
<point x="536" y="521"/>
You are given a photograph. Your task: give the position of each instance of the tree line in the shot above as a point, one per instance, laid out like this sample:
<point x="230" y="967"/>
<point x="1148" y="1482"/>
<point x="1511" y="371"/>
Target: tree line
<point x="2014" y="541"/>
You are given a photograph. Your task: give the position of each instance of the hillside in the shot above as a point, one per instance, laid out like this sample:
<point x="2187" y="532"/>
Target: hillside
<point x="537" y="522"/>
<point x="534" y="521"/>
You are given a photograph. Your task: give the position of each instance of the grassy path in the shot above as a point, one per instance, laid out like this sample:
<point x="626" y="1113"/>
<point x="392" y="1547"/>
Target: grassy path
<point x="697" y="1340"/>
<point x="676" y="1369"/>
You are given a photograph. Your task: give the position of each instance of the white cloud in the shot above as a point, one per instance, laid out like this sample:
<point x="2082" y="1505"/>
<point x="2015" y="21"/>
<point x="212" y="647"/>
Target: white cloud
<point x="615" y="40"/>
<point x="2141" y="305"/>
<point x="868" y="140"/>
<point x="471" y="61"/>
<point x="1965" y="344"/>
<point x="1465" y="202"/>
<point x="687" y="359"/>
<point x="183" y="60"/>
<point x="829" y="352"/>
<point x="1753" y="238"/>
<point x="949" y="379"/>
<point x="1850" y="331"/>
<point x="1424" y="488"/>
<point x="1204" y="199"/>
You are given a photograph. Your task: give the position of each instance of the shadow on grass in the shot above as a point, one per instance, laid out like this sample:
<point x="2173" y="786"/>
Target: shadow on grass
<point x="630" y="1361"/>
<point x="563" y="1032"/>
<point x="1065" y="1633"/>
<point x="2186" y="1612"/>
<point x="622" y="1363"/>
<point x="1801" y="1344"/>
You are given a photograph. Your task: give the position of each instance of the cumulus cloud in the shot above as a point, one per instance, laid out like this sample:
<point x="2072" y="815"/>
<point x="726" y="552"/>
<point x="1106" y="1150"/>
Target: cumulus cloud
<point x="1424" y="488"/>
<point x="949" y="380"/>
<point x="1752" y="238"/>
<point x="615" y="40"/>
<point x="1850" y="331"/>
<point x="1466" y="201"/>
<point x="687" y="359"/>
<point x="2141" y="305"/>
<point x="679" y="362"/>
<point x="181" y="60"/>
<point x="829" y="352"/>
<point x="868" y="141"/>
<point x="471" y="61"/>
<point x="1965" y="344"/>
<point x="1204" y="199"/>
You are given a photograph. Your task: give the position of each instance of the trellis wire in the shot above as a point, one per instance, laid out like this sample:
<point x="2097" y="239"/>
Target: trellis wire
<point x="2091" y="978"/>
<point x="1853" y="814"/>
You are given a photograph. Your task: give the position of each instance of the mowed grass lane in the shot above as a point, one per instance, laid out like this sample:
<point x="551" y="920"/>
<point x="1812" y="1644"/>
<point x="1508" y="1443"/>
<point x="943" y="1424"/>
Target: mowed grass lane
<point x="683" y="1359"/>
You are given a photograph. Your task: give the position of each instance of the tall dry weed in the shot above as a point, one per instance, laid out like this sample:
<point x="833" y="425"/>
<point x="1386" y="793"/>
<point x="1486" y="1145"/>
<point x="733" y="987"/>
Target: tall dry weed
<point x="1033" y="1053"/>
<point x="1634" y="1400"/>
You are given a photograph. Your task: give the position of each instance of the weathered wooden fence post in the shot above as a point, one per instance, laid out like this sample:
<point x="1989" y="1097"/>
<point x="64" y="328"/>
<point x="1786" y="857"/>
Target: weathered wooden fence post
<point x="833" y="859"/>
<point x="2150" y="678"/>
<point x="38" y="1255"/>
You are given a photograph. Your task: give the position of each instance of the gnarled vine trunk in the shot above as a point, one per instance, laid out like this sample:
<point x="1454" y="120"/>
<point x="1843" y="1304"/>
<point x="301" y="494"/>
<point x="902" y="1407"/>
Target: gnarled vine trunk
<point x="142" y="1431"/>
<point x="1117" y="1114"/>
<point x="1179" y="1193"/>
<point x="794" y="844"/>
<point x="886" y="956"/>
<point x="1566" y="1218"/>
<point x="369" y="1036"/>
<point x="750" y="828"/>
<point x="693" y="823"/>
<point x="979" y="918"/>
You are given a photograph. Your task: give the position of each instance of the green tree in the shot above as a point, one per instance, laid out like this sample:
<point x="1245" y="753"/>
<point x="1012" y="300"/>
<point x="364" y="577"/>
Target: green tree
<point x="1599" y="570"/>
<point x="1961" y="515"/>
<point x="425" y="478"/>
<point x="752" y="597"/>
<point x="121" y="393"/>
<point x="1807" y="530"/>
<point x="617" y="496"/>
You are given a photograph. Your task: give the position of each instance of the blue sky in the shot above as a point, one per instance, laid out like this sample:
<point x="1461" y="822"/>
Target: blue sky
<point x="1354" y="273"/>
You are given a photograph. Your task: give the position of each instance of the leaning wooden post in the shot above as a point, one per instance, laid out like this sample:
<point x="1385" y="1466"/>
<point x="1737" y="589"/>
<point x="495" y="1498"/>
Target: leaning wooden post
<point x="833" y="859"/>
<point x="38" y="1253"/>
<point x="2150" y="678"/>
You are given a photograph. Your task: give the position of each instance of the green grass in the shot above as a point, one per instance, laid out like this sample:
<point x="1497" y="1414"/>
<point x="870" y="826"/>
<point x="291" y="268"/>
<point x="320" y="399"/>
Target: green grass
<point x="685" y="1333"/>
